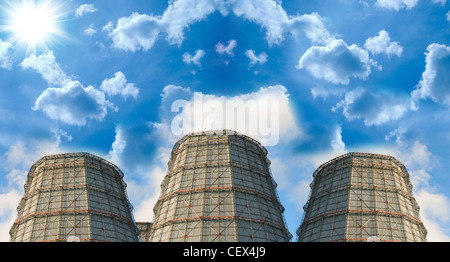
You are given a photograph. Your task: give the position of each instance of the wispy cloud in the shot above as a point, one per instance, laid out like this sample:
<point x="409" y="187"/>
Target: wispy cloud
<point x="226" y="49"/>
<point x="256" y="59"/>
<point x="194" y="59"/>
<point x="85" y="9"/>
<point x="6" y="55"/>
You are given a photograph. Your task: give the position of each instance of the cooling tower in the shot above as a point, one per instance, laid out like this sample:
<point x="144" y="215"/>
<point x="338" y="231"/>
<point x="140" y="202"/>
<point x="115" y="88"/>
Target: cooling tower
<point x="74" y="197"/>
<point x="218" y="188"/>
<point x="361" y="197"/>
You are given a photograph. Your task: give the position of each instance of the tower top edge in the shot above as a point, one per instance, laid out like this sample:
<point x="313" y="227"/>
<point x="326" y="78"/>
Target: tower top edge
<point x="227" y="132"/>
<point x="361" y="154"/>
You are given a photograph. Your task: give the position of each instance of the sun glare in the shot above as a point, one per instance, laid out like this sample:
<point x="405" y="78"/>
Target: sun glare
<point x="33" y="23"/>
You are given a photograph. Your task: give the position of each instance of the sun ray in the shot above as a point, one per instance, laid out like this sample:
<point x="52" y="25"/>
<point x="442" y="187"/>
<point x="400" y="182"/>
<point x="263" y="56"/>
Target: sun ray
<point x="33" y="24"/>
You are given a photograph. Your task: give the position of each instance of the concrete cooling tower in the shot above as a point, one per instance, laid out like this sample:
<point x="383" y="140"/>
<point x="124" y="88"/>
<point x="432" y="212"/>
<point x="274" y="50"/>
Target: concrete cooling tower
<point x="361" y="197"/>
<point x="218" y="187"/>
<point x="74" y="197"/>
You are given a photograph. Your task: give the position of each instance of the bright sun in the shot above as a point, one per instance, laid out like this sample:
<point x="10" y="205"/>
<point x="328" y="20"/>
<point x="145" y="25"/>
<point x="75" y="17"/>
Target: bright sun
<point x="33" y="23"/>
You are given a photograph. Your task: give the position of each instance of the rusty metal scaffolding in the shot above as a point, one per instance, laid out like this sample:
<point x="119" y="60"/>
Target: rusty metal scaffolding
<point x="361" y="197"/>
<point x="219" y="187"/>
<point x="74" y="197"/>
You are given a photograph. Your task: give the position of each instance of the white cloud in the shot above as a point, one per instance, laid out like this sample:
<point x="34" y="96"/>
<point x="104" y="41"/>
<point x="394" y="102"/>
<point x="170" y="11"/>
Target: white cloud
<point x="47" y="66"/>
<point x="337" y="62"/>
<point x="118" y="85"/>
<point x="140" y="31"/>
<point x="5" y="55"/>
<point x="8" y="205"/>
<point x="447" y="16"/>
<point x="182" y="13"/>
<point x="400" y="4"/>
<point x="436" y="77"/>
<point x="265" y="115"/>
<point x="17" y="161"/>
<point x="188" y="58"/>
<point x="382" y="44"/>
<point x="376" y="107"/>
<point x="146" y="173"/>
<point x="85" y="9"/>
<point x="271" y="16"/>
<point x="171" y="93"/>
<point x="69" y="102"/>
<point x="90" y="31"/>
<point x="117" y="148"/>
<point x="228" y="49"/>
<point x="254" y="59"/>
<point x="293" y="171"/>
<point x="435" y="205"/>
<point x="397" y="4"/>
<point x="135" y="32"/>
<point x="337" y="145"/>
<point x="73" y="104"/>
<point x="420" y="162"/>
<point x="442" y="2"/>
<point x="147" y="190"/>
<point x="143" y="153"/>
<point x="108" y="28"/>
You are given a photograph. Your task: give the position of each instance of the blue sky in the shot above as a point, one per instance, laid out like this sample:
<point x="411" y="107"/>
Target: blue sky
<point x="101" y="76"/>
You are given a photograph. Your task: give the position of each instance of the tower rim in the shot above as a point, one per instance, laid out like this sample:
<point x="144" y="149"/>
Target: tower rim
<point x="219" y="132"/>
<point x="356" y="153"/>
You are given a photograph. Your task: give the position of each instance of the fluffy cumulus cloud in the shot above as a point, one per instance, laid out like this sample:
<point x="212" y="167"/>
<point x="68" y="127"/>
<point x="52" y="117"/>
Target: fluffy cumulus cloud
<point x="140" y="31"/>
<point x="436" y="77"/>
<point x="85" y="9"/>
<point x="447" y="16"/>
<point x="376" y="107"/>
<point x="256" y="59"/>
<point x="382" y="44"/>
<point x="336" y="62"/>
<point x="194" y="59"/>
<point x="265" y="115"/>
<point x="73" y="104"/>
<point x="67" y="100"/>
<point x="118" y="85"/>
<point x="136" y="32"/>
<point x="5" y="55"/>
